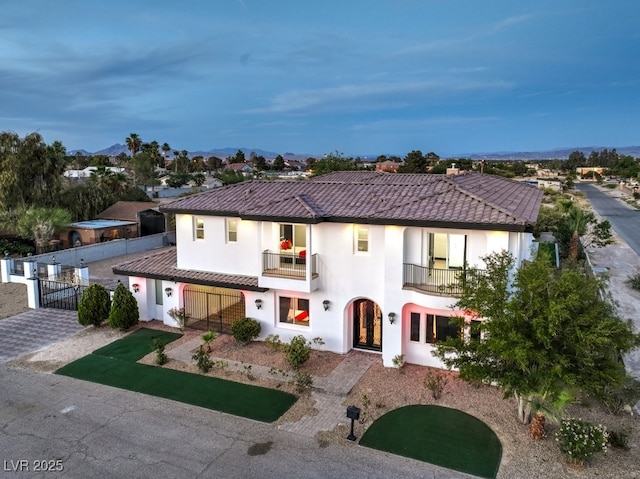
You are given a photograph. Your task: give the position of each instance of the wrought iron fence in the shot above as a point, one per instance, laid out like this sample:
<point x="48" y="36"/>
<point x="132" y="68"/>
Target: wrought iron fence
<point x="447" y="282"/>
<point x="288" y="265"/>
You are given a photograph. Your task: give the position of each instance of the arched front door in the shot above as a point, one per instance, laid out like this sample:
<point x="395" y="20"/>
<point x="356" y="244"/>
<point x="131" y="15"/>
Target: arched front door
<point x="367" y="325"/>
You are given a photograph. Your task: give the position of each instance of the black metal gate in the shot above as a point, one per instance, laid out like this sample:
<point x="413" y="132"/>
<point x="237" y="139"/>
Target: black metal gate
<point x="213" y="308"/>
<point x="60" y="294"/>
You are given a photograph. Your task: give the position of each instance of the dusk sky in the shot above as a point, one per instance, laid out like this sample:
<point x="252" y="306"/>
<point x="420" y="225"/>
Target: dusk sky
<point x="354" y="76"/>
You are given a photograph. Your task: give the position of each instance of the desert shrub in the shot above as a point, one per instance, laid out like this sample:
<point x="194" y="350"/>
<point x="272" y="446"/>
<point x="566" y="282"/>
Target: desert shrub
<point x="634" y="281"/>
<point x="273" y="340"/>
<point x="245" y="330"/>
<point x="580" y="440"/>
<point x="303" y="381"/>
<point x="180" y="316"/>
<point x="398" y="361"/>
<point x="94" y="305"/>
<point x="202" y="359"/>
<point x="297" y="352"/>
<point x="124" y="309"/>
<point x="158" y="347"/>
<point x="619" y="439"/>
<point x="435" y="382"/>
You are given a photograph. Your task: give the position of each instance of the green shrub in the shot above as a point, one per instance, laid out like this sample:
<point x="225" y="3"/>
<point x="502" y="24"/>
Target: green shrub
<point x="273" y="340"/>
<point x="303" y="381"/>
<point x="202" y="359"/>
<point x="398" y="361"/>
<point x="245" y="330"/>
<point x="158" y="347"/>
<point x="580" y="440"/>
<point x="208" y="338"/>
<point x="124" y="309"/>
<point x="619" y="439"/>
<point x="435" y="381"/>
<point x="297" y="352"/>
<point x="634" y="281"/>
<point x="94" y="305"/>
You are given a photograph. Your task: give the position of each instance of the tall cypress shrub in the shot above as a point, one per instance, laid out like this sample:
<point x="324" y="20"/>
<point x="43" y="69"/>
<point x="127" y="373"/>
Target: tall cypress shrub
<point x="94" y="305"/>
<point x="124" y="309"/>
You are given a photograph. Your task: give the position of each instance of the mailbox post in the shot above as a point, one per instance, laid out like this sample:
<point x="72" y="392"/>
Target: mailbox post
<point x="353" y="413"/>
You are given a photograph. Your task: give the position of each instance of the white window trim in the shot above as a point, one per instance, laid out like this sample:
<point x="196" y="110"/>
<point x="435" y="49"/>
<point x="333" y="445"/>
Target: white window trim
<point x="196" y="219"/>
<point x="356" y="239"/>
<point x="229" y="230"/>
<point x="293" y="325"/>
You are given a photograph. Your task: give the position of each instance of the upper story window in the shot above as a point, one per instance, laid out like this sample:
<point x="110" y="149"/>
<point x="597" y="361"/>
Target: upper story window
<point x="361" y="239"/>
<point x="198" y="228"/>
<point x="232" y="230"/>
<point x="293" y="238"/>
<point x="447" y="251"/>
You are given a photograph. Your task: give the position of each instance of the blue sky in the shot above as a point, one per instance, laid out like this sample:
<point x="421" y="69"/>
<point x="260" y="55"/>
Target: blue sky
<point x="357" y="77"/>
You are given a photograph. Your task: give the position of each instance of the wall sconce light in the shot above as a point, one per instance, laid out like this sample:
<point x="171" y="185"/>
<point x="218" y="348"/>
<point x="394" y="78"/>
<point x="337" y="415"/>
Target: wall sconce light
<point x="392" y="318"/>
<point x="6" y="253"/>
<point x="168" y="291"/>
<point x="325" y="304"/>
<point x="136" y="287"/>
<point x="259" y="303"/>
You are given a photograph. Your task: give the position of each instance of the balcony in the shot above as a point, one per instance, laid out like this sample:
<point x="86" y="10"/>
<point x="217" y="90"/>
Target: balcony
<point x="438" y="281"/>
<point x="289" y="265"/>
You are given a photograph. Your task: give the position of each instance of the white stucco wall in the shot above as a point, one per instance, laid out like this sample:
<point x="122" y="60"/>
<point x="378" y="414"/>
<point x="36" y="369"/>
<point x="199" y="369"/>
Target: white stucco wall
<point x="344" y="275"/>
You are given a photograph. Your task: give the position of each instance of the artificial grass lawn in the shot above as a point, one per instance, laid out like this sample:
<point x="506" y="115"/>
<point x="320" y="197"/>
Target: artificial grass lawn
<point x="438" y="435"/>
<point x="121" y="371"/>
<point x="136" y="345"/>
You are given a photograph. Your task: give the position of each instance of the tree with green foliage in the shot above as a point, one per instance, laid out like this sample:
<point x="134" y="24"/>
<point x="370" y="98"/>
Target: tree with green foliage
<point x="40" y="224"/>
<point x="30" y="171"/>
<point x="278" y="163"/>
<point x="543" y="335"/>
<point x="229" y="177"/>
<point x="414" y="162"/>
<point x="94" y="305"/>
<point x="576" y="159"/>
<point x="333" y="162"/>
<point x="134" y="143"/>
<point x="177" y="180"/>
<point x="124" y="309"/>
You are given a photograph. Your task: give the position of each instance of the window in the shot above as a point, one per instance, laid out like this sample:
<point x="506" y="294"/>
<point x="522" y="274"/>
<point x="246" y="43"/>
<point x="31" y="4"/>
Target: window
<point x="198" y="226"/>
<point x="159" y="299"/>
<point x="362" y="239"/>
<point x="439" y="328"/>
<point x="293" y="238"/>
<point x="294" y="311"/>
<point x="474" y="330"/>
<point x="415" y="327"/>
<point x="447" y="251"/>
<point x="232" y="230"/>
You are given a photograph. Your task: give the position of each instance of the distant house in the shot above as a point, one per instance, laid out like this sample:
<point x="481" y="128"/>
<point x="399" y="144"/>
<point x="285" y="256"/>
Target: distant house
<point x="83" y="233"/>
<point x="584" y="170"/>
<point x="244" y="168"/>
<point x="86" y="172"/>
<point x="388" y="166"/>
<point x="148" y="218"/>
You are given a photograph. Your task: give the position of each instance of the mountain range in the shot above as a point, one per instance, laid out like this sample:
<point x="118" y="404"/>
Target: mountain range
<point x="558" y="153"/>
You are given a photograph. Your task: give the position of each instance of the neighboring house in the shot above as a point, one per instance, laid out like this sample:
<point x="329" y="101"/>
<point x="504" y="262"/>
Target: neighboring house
<point x="388" y="165"/>
<point x="363" y="260"/>
<point x="584" y="170"/>
<point x="145" y="214"/>
<point x="245" y="168"/>
<point x="83" y="233"/>
<point x="86" y="172"/>
<point x="554" y="184"/>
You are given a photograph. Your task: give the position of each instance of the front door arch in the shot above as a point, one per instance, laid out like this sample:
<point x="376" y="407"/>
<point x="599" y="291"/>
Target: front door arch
<point x="367" y="325"/>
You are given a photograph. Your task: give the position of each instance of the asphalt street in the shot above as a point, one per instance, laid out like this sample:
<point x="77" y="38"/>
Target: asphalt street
<point x="624" y="219"/>
<point x="79" y="430"/>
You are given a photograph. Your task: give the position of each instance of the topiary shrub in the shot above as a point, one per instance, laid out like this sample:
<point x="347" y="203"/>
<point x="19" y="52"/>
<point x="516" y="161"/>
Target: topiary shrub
<point x="94" y="306"/>
<point x="297" y="352"/>
<point x="124" y="309"/>
<point x="245" y="330"/>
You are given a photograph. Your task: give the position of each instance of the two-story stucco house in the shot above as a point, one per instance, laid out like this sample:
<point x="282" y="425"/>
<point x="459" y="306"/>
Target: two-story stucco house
<point x="365" y="260"/>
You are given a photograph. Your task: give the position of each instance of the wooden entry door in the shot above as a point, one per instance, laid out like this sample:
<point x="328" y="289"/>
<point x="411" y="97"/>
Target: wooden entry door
<point x="367" y="325"/>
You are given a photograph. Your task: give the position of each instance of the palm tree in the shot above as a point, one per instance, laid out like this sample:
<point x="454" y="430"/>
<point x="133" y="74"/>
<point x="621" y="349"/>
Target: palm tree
<point x="134" y="143"/>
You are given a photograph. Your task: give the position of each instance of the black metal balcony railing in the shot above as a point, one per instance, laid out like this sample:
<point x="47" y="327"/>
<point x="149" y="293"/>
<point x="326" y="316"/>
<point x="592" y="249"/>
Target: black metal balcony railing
<point x="446" y="282"/>
<point x="288" y="265"/>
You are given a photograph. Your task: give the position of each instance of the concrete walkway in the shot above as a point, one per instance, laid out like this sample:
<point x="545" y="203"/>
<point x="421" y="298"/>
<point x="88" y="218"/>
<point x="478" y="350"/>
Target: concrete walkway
<point x="34" y="330"/>
<point x="328" y="392"/>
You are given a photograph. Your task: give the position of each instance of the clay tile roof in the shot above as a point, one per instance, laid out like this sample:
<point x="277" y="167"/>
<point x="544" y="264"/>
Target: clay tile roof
<point x="162" y="265"/>
<point x="127" y="210"/>
<point x="468" y="200"/>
